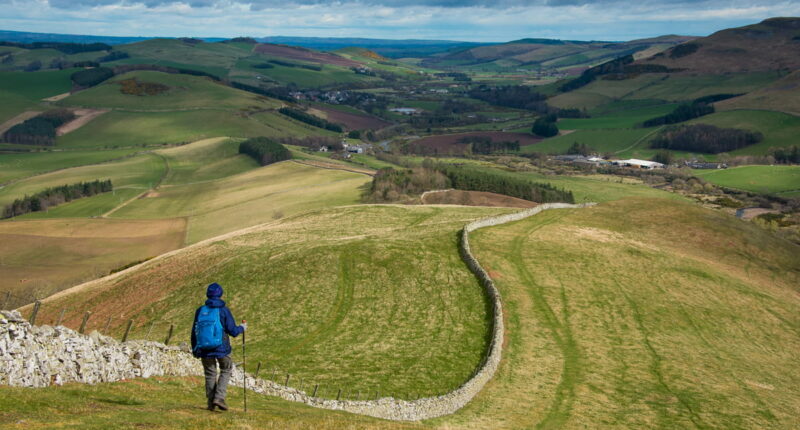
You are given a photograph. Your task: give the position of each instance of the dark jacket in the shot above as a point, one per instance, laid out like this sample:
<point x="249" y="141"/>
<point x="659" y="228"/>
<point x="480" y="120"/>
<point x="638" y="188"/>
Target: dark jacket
<point x="228" y="325"/>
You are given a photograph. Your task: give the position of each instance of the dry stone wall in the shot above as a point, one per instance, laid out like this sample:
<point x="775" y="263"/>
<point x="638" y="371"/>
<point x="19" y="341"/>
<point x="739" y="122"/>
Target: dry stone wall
<point x="39" y="356"/>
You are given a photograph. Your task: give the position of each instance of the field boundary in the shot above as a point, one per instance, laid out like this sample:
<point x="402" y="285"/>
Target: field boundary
<point x="388" y="407"/>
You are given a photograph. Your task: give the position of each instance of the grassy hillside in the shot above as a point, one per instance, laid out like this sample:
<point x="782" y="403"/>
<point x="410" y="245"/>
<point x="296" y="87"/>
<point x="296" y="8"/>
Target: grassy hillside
<point x="183" y="92"/>
<point x="21" y="91"/>
<point x="21" y="165"/>
<point x="779" y="129"/>
<point x="782" y="95"/>
<point x="369" y="298"/>
<point x="641" y="314"/>
<point x="781" y="180"/>
<point x="42" y="257"/>
<point x="174" y="403"/>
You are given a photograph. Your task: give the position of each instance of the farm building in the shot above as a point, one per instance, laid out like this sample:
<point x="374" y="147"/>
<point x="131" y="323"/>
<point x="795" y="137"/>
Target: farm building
<point x="356" y="149"/>
<point x="405" y="111"/>
<point x="702" y="165"/>
<point x="639" y="164"/>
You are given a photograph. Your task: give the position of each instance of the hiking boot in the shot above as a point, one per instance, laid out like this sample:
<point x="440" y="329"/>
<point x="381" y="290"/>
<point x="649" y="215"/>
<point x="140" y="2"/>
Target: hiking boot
<point x="210" y="406"/>
<point x="221" y="405"/>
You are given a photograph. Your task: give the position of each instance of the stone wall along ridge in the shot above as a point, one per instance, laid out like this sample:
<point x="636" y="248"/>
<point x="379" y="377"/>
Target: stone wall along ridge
<point x="40" y="356"/>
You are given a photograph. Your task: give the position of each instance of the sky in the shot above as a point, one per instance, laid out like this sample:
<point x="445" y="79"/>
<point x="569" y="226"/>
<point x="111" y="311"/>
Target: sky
<point x="467" y="20"/>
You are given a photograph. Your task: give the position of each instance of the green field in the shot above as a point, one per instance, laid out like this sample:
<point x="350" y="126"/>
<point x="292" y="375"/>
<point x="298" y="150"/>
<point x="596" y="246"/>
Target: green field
<point x="620" y="119"/>
<point x="616" y="318"/>
<point x="780" y="180"/>
<point x="139" y="129"/>
<point x="21" y="91"/>
<point x="185" y="93"/>
<point x="127" y="175"/>
<point x="21" y="165"/>
<point x="603" y="141"/>
<point x="362" y="298"/>
<point x="779" y="129"/>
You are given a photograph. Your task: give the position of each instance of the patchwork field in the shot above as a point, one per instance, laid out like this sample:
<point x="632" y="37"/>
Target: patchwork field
<point x="778" y="128"/>
<point x="603" y="141"/>
<point x="21" y="165"/>
<point x="780" y="180"/>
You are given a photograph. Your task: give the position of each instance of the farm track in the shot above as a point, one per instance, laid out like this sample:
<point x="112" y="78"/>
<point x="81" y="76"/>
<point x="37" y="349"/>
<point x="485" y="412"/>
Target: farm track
<point x="166" y="173"/>
<point x="560" y="330"/>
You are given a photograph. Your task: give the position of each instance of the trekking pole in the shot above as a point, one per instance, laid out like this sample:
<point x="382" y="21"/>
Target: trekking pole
<point x="244" y="369"/>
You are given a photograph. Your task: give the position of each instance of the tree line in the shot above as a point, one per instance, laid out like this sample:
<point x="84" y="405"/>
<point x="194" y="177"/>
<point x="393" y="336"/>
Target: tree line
<point x="54" y="196"/>
<point x="67" y="48"/>
<point x="91" y="77"/>
<point x="310" y="119"/>
<point x="513" y="96"/>
<point x="704" y="138"/>
<point x="786" y="154"/>
<point x="39" y="130"/>
<point x="393" y="184"/>
<point x="682" y="113"/>
<point x="485" y="145"/>
<point x="264" y="150"/>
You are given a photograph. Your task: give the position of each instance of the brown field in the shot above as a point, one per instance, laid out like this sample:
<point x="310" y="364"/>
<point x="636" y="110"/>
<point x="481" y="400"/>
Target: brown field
<point x="46" y="256"/>
<point x="448" y="143"/>
<point x="474" y="198"/>
<point x="301" y="54"/>
<point x="352" y="121"/>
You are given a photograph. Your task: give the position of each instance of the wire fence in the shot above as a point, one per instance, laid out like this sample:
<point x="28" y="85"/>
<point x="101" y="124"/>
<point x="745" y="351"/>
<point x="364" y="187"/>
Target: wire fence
<point x="165" y="332"/>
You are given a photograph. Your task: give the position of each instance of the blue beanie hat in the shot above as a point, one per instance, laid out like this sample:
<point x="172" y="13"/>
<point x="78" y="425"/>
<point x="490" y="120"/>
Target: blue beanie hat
<point x="214" y="291"/>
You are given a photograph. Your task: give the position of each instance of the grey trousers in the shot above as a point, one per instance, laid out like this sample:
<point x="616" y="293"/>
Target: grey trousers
<point x="217" y="389"/>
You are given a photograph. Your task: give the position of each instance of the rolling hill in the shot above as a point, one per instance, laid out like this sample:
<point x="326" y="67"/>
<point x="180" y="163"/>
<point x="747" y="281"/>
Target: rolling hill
<point x="767" y="46"/>
<point x="548" y="53"/>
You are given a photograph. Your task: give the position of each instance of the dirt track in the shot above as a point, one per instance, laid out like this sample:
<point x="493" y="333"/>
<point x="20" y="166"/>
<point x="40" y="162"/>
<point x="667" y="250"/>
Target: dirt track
<point x="83" y="117"/>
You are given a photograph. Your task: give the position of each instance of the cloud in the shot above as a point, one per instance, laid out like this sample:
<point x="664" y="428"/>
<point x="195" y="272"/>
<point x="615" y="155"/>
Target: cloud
<point x="476" y="20"/>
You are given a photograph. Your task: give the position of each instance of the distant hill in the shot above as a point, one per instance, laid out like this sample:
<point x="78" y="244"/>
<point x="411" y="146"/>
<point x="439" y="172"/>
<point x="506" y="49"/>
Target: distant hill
<point x="387" y="47"/>
<point x="551" y="53"/>
<point x="782" y="95"/>
<point x="773" y="44"/>
<point x="28" y="37"/>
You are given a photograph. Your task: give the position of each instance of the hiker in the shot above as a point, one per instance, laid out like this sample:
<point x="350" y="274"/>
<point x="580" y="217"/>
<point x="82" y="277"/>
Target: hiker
<point x="213" y="323"/>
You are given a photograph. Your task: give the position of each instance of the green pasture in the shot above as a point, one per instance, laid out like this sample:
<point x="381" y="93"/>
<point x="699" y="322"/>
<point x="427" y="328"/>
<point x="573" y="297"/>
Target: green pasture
<point x="778" y="128"/>
<point x="205" y="160"/>
<point x="137" y="173"/>
<point x="618" y="318"/>
<point x="21" y="165"/>
<point x="367" y="298"/>
<point x="185" y="92"/>
<point x="620" y="119"/>
<point x="778" y="179"/>
<point x="21" y="91"/>
<point x="139" y="129"/>
<point x="601" y="140"/>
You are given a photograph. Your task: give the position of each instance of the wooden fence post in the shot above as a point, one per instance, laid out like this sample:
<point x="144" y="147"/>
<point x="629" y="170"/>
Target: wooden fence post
<point x="316" y="388"/>
<point x="287" y="379"/>
<point x="35" y="311"/>
<point x="61" y="316"/>
<point x="258" y="367"/>
<point x="85" y="320"/>
<point x="108" y="324"/>
<point x="274" y="371"/>
<point x="169" y="334"/>
<point x="127" y="330"/>
<point x="339" y="394"/>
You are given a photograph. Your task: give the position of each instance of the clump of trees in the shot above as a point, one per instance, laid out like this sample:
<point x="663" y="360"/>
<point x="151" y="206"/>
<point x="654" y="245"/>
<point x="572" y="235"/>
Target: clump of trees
<point x="580" y="149"/>
<point x="664" y="157"/>
<point x="310" y="119"/>
<point x="302" y="66"/>
<point x="705" y="138"/>
<point x="263" y="66"/>
<point x="485" y="145"/>
<point x="545" y="126"/>
<point x="479" y="179"/>
<point x="91" y="77"/>
<point x="113" y="56"/>
<point x="50" y="197"/>
<point x="39" y="130"/>
<point x="135" y="87"/>
<point x="681" y="113"/>
<point x="264" y="150"/>
<point x="786" y="155"/>
<point x="684" y="49"/>
<point x="392" y="184"/>
<point x="513" y="96"/>
<point x="588" y="76"/>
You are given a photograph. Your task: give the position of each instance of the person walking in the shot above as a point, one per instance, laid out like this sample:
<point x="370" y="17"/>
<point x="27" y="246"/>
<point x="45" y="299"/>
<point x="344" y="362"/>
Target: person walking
<point x="213" y="323"/>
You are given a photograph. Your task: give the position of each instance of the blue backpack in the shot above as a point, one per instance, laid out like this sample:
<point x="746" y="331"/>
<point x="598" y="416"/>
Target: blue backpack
<point x="208" y="329"/>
